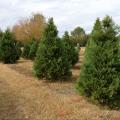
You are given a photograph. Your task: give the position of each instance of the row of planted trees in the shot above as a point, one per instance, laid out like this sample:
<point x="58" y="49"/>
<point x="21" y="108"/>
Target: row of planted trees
<point x="11" y="50"/>
<point x="54" y="57"/>
<point x="100" y="74"/>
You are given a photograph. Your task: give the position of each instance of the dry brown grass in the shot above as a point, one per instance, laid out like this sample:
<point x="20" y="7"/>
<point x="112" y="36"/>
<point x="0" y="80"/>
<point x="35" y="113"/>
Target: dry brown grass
<point x="24" y="97"/>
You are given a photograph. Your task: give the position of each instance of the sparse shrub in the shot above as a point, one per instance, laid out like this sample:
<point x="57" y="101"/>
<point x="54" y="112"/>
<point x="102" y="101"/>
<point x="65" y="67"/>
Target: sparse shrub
<point x="100" y="74"/>
<point x="71" y="52"/>
<point x="9" y="48"/>
<point x="51" y="61"/>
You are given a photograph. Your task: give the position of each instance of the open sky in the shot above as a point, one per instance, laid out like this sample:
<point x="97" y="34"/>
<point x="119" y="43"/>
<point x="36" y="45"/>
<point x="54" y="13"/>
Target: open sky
<point x="67" y="14"/>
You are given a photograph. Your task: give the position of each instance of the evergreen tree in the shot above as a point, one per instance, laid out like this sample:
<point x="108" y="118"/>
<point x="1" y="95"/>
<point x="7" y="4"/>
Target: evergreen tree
<point x="100" y="74"/>
<point x="51" y="61"/>
<point x="71" y="52"/>
<point x="30" y="49"/>
<point x="26" y="50"/>
<point x="8" y="48"/>
<point x="33" y="50"/>
<point x="18" y="50"/>
<point x="1" y="34"/>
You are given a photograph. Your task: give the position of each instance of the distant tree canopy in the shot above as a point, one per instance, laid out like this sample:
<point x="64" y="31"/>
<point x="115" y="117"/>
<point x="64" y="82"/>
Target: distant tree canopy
<point x="78" y="31"/>
<point x="78" y="36"/>
<point x="29" y="28"/>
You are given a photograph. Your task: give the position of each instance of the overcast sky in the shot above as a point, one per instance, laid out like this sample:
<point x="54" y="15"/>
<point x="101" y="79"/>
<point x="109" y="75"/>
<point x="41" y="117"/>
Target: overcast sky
<point x="67" y="14"/>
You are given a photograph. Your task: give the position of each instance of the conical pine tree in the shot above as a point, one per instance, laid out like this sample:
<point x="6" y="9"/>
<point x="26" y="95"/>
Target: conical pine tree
<point x="26" y="50"/>
<point x="100" y="74"/>
<point x="51" y="61"/>
<point x="71" y="51"/>
<point x="33" y="49"/>
<point x="9" y="49"/>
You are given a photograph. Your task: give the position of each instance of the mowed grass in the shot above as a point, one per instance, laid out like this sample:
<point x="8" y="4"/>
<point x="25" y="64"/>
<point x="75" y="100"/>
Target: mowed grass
<point x="24" y="97"/>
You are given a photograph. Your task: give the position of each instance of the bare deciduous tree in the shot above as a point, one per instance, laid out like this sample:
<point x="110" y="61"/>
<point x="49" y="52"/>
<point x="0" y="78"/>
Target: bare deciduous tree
<point x="29" y="28"/>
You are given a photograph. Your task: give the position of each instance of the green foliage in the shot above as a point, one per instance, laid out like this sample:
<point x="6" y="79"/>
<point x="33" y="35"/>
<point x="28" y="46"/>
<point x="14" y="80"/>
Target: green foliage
<point x="33" y="50"/>
<point x="18" y="51"/>
<point x="51" y="61"/>
<point x="26" y="50"/>
<point x="1" y="34"/>
<point x="30" y="49"/>
<point x="9" y="49"/>
<point x="100" y="74"/>
<point x="78" y="31"/>
<point x="79" y="37"/>
<point x="71" y="52"/>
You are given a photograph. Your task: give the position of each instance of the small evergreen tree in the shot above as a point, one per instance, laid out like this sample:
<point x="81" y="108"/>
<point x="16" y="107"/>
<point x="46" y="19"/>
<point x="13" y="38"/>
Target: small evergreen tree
<point x="100" y="74"/>
<point x="71" y="52"/>
<point x="33" y="50"/>
<point x="51" y="61"/>
<point x="30" y="49"/>
<point x="26" y="50"/>
<point x="1" y="34"/>
<point x="8" y="48"/>
<point x="18" y="51"/>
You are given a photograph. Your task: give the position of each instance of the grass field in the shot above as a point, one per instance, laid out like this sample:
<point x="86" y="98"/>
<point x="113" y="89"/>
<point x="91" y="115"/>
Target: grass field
<point x="23" y="97"/>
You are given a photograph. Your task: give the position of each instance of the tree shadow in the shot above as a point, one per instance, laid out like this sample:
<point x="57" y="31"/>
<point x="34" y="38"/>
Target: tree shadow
<point x="22" y="60"/>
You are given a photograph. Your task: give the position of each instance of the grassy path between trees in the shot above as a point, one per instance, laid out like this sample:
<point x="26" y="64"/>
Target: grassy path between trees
<point x="24" y="97"/>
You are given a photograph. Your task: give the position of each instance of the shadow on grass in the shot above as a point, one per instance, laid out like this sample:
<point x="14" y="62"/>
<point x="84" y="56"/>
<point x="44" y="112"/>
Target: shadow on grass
<point x="22" y="60"/>
<point x="70" y="79"/>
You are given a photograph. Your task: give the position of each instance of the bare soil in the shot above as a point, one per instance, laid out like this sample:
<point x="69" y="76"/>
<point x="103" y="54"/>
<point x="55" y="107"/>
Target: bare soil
<point x="23" y="97"/>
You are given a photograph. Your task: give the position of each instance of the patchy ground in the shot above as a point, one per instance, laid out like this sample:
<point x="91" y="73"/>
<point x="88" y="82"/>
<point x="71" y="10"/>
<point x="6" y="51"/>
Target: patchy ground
<point x="22" y="97"/>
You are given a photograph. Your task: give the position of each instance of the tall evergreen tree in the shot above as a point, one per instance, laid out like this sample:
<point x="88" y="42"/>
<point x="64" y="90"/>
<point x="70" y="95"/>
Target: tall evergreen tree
<point x="51" y="61"/>
<point x="9" y="48"/>
<point x="100" y="74"/>
<point x="71" y="52"/>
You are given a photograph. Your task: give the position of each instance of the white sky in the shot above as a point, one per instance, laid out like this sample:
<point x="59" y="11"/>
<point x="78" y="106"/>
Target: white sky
<point x="67" y="14"/>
